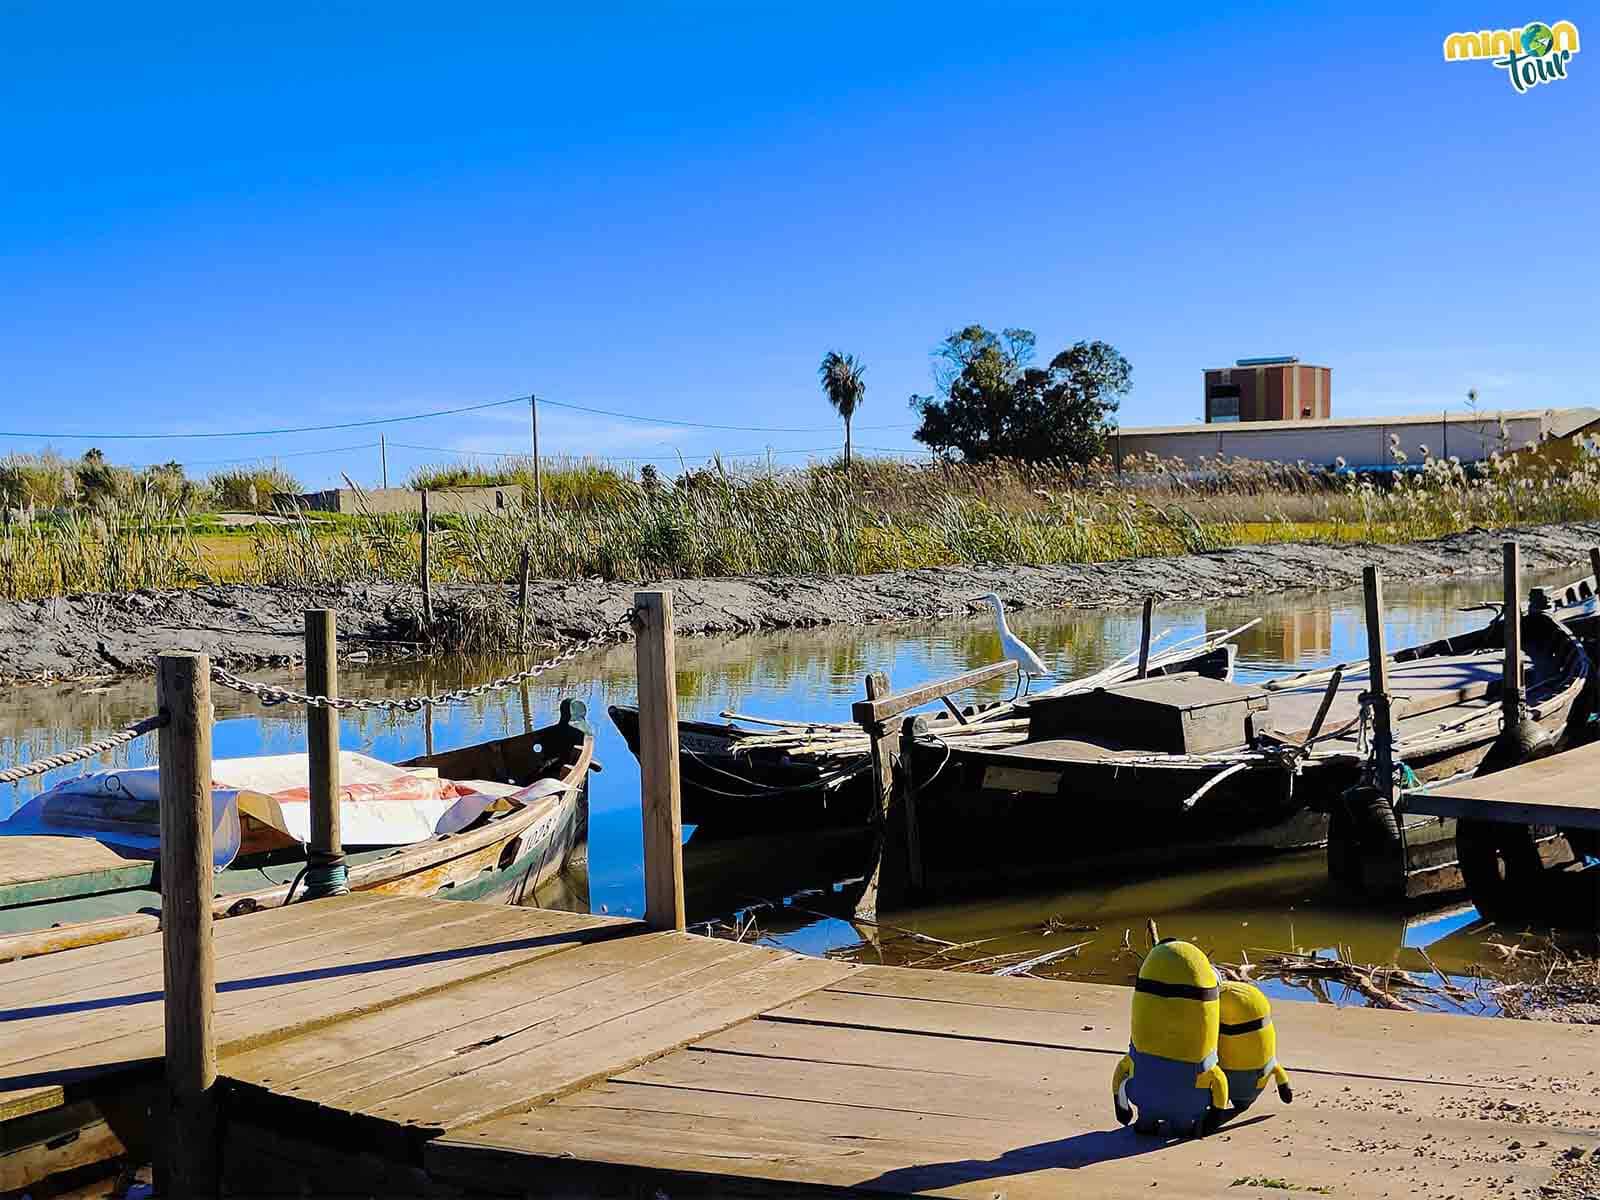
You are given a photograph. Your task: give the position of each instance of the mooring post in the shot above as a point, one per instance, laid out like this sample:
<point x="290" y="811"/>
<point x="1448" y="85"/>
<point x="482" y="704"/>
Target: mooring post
<point x="427" y="573"/>
<point x="1594" y="567"/>
<point x="882" y="741"/>
<point x="1144" y="636"/>
<point x="325" y="866"/>
<point x="1378" y="684"/>
<point x="1511" y="614"/>
<point x="661" y="802"/>
<point x="189" y="972"/>
<point x="910" y="729"/>
<point x="522" y="602"/>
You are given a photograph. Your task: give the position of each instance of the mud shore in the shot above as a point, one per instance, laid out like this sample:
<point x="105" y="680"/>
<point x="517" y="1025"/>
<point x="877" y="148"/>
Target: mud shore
<point x="242" y="626"/>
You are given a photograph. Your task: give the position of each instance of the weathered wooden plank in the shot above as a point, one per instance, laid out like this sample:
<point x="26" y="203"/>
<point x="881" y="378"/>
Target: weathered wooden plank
<point x="593" y="1050"/>
<point x="1561" y="790"/>
<point x="875" y="711"/>
<point x="362" y="1055"/>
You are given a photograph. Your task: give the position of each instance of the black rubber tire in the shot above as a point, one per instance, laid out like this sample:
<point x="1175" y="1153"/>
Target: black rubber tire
<point x="1501" y="868"/>
<point x="1365" y="850"/>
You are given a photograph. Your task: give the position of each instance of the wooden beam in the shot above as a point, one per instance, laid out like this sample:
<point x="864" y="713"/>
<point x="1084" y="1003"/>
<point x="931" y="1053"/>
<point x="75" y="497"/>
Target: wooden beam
<point x="326" y="850"/>
<point x="876" y="710"/>
<point x="1144" y="636"/>
<point x="660" y="802"/>
<point x="1334" y="683"/>
<point x="189" y="969"/>
<point x="1378" y="682"/>
<point x="877" y="684"/>
<point x="1511" y="614"/>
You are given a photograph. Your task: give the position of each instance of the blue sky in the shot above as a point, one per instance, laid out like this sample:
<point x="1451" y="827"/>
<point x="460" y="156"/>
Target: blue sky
<point x="215" y="218"/>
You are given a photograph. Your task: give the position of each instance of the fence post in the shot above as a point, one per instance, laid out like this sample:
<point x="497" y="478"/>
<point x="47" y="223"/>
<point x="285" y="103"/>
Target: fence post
<point x="427" y="573"/>
<point x="189" y="973"/>
<point x="1378" y="684"/>
<point x="877" y="684"/>
<point x="522" y="602"/>
<point x="325" y="866"/>
<point x="1511" y="614"/>
<point x="660" y="801"/>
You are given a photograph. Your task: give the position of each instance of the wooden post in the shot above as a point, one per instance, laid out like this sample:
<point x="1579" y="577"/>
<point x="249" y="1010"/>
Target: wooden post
<point x="877" y="684"/>
<point x="522" y="603"/>
<point x="427" y="574"/>
<point x="1144" y="637"/>
<point x="325" y="876"/>
<point x="660" y="802"/>
<point x="383" y="460"/>
<point x="538" y="472"/>
<point x="189" y="972"/>
<point x="427" y="729"/>
<point x="1594" y="566"/>
<point x="1378" y="684"/>
<point x="1328" y="696"/>
<point x="1511" y="614"/>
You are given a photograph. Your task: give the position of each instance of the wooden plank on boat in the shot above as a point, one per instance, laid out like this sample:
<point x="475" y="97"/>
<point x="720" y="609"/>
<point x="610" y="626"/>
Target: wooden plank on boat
<point x="876" y="711"/>
<point x="1561" y="790"/>
<point x="28" y="858"/>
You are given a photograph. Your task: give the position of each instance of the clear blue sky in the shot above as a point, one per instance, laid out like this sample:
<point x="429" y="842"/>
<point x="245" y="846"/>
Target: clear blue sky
<point x="218" y="217"/>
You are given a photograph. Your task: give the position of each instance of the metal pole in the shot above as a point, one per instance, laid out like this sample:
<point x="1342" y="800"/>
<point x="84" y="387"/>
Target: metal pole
<point x="325" y="867"/>
<point x="383" y="459"/>
<point x="189" y="969"/>
<point x="538" y="473"/>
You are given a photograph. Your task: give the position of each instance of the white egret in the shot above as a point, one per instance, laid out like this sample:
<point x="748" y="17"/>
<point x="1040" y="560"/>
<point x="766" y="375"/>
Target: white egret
<point x="1029" y="664"/>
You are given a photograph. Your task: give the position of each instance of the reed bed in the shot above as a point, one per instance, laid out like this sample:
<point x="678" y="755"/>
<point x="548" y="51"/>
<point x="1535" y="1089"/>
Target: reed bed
<point x="599" y="520"/>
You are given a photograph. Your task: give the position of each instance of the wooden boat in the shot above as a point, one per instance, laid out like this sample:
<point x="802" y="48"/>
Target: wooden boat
<point x="742" y="780"/>
<point x="1156" y="772"/>
<point x="59" y="891"/>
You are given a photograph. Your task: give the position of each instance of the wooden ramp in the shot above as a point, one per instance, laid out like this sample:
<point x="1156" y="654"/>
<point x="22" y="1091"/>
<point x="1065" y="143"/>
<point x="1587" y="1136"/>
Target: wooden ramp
<point x="1561" y="790"/>
<point x="388" y="1046"/>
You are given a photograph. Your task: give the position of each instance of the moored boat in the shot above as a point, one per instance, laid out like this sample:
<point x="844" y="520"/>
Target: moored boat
<point x="493" y="821"/>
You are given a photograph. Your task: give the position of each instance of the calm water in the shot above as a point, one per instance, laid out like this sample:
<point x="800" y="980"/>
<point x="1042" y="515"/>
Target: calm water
<point x="1279" y="904"/>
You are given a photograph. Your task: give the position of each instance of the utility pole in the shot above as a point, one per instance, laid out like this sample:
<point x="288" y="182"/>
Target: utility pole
<point x="383" y="459"/>
<point x="538" y="477"/>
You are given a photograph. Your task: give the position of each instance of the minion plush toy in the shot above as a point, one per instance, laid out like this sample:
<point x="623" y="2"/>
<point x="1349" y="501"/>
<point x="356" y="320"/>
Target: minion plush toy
<point x="1247" y="1046"/>
<point x="1170" y="1073"/>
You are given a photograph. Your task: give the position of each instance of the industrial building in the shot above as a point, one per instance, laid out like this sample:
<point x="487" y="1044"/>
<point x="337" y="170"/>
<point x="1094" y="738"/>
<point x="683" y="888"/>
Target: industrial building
<point x="1268" y="389"/>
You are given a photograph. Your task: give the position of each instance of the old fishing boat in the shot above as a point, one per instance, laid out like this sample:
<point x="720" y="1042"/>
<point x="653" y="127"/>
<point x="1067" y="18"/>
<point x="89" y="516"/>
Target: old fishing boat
<point x="1154" y="772"/>
<point x="493" y="821"/>
<point x="755" y="776"/>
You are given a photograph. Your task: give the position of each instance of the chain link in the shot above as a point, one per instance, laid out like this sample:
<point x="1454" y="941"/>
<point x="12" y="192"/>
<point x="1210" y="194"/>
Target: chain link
<point x="619" y="631"/>
<point x="66" y="758"/>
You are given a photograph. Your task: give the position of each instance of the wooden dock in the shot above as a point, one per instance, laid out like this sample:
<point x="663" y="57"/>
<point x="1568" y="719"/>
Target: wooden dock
<point x="391" y="1046"/>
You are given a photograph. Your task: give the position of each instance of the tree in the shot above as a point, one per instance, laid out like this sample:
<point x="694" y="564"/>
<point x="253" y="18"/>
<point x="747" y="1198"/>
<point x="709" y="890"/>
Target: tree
<point x="992" y="403"/>
<point x="845" y="388"/>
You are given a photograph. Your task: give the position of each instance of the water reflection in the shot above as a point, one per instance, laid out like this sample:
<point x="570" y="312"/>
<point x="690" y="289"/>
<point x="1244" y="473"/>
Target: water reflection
<point x="816" y="674"/>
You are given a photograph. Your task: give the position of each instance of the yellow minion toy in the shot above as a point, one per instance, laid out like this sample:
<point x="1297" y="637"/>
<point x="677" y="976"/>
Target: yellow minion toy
<point x="1247" y="1046"/>
<point x="1170" y="1073"/>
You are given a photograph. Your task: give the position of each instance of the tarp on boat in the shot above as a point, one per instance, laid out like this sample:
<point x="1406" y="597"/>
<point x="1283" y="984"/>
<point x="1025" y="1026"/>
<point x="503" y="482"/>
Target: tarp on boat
<point x="379" y="804"/>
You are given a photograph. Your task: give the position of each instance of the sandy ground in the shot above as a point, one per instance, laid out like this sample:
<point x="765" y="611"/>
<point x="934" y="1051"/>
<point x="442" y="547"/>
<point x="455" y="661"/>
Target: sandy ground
<point x="241" y="626"/>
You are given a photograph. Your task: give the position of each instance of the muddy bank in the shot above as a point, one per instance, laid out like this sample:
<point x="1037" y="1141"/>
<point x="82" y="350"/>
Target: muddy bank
<point x="241" y="626"/>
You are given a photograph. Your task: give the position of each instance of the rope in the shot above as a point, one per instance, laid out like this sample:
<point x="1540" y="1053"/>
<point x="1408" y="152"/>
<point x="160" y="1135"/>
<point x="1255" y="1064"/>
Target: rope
<point x="269" y="695"/>
<point x="66" y="758"/>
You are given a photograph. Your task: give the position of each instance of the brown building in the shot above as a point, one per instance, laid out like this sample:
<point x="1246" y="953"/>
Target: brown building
<point x="1268" y="389"/>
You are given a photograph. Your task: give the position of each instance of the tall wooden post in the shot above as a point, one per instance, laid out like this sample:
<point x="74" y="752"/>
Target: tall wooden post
<point x="877" y="684"/>
<point x="427" y="572"/>
<point x="325" y="873"/>
<point x="383" y="460"/>
<point x="1511" y="614"/>
<point x="538" y="471"/>
<point x="660" y="800"/>
<point x="1144" y="636"/>
<point x="1378" y="684"/>
<point x="522" y="602"/>
<point x="189" y="972"/>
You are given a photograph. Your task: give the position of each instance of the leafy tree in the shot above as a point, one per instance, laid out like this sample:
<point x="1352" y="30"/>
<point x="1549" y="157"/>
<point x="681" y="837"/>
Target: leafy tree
<point x="845" y="387"/>
<point x="992" y="403"/>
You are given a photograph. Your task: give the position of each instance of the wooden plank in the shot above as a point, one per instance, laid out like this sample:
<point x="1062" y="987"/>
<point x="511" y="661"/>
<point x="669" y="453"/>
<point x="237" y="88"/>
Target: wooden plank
<point x="382" y="1054"/>
<point x="1561" y="790"/>
<point x="588" y="1047"/>
<point x="1366" y="1142"/>
<point x="876" y="711"/>
<point x="661" y="802"/>
<point x="188" y="1158"/>
<point x="37" y="858"/>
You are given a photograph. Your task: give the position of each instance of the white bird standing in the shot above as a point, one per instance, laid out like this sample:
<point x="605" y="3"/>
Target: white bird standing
<point x="1029" y="664"/>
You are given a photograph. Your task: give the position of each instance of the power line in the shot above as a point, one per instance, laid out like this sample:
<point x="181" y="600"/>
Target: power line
<point x="604" y="412"/>
<point x="761" y="453"/>
<point x="163" y="437"/>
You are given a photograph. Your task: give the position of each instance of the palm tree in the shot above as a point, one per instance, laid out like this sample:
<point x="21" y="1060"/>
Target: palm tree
<point x="842" y="381"/>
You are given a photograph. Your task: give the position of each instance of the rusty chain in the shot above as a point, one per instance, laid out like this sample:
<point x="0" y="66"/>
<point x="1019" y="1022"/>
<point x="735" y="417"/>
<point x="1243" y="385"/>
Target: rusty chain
<point x="619" y="631"/>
